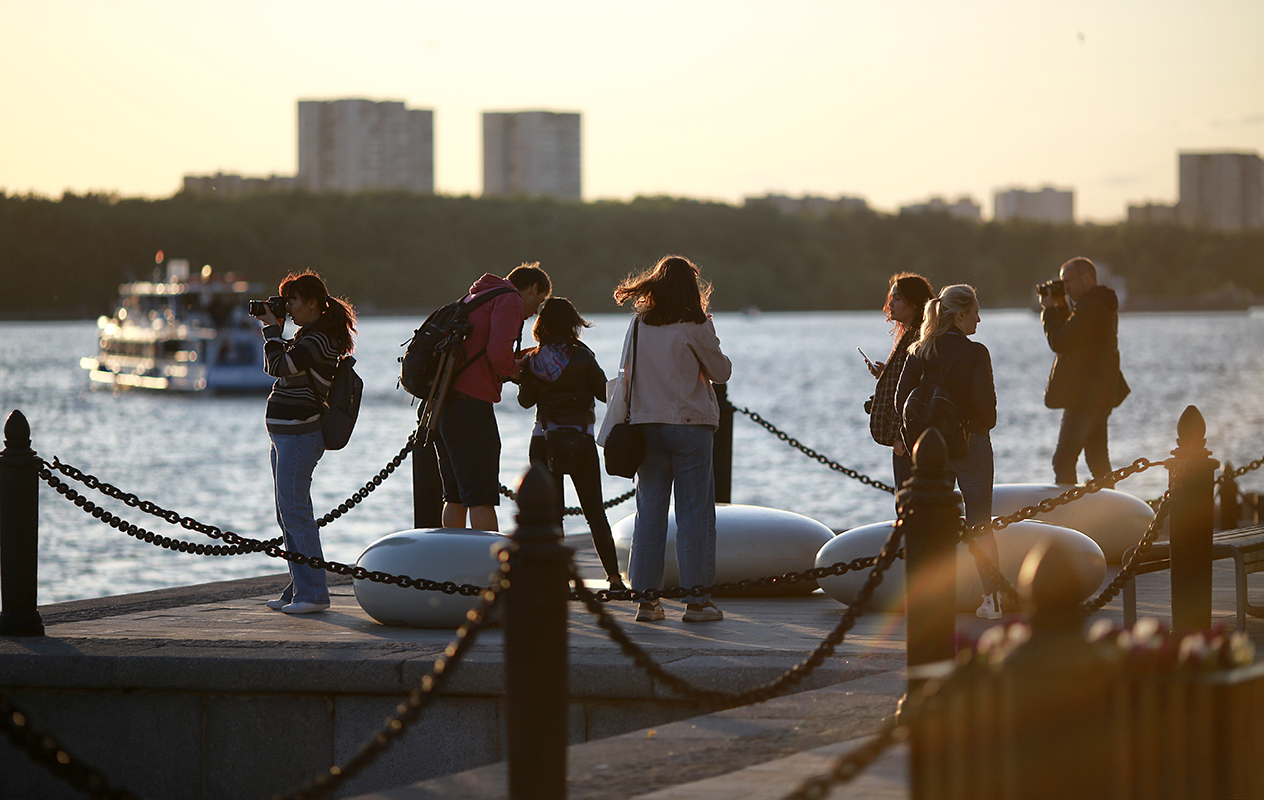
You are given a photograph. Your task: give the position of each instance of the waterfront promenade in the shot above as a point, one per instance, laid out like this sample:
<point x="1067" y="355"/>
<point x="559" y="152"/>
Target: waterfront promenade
<point x="206" y="682"/>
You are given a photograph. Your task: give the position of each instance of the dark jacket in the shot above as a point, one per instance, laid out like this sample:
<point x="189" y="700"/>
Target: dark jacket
<point x="884" y="417"/>
<point x="968" y="382"/>
<point x="1086" y="345"/>
<point x="567" y="400"/>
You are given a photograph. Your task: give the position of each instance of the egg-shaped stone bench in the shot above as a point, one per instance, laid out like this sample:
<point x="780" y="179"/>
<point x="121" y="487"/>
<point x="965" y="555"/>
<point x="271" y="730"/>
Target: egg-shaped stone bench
<point x="1115" y="520"/>
<point x="1014" y="542"/>
<point x="459" y="555"/>
<point x="750" y="542"/>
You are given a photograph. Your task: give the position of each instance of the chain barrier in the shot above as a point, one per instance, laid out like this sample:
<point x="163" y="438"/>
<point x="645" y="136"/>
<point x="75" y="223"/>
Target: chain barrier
<point x="810" y="453"/>
<point x="570" y="511"/>
<point x="851" y="764"/>
<point x="48" y="753"/>
<point x="408" y="711"/>
<point x="45" y="750"/>
<point x="790" y="678"/>
<point x="971" y="532"/>
<point x="1129" y="570"/>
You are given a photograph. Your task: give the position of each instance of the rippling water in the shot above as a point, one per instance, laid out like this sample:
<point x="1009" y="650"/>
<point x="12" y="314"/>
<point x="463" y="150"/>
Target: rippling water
<point x="207" y="457"/>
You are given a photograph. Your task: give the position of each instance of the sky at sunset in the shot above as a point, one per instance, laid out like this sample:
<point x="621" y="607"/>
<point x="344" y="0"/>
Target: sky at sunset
<point x="890" y="101"/>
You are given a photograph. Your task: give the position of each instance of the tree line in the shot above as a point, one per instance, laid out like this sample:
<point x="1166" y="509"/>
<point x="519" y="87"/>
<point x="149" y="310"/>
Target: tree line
<point x="399" y="252"/>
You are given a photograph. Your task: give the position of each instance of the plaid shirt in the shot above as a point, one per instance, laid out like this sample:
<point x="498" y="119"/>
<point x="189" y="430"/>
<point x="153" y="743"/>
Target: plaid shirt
<point x="884" y="419"/>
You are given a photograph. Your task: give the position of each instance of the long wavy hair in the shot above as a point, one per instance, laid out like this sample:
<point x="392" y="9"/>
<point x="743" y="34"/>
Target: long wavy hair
<point x="340" y="314"/>
<point x="940" y="316"/>
<point x="670" y="291"/>
<point x="917" y="292"/>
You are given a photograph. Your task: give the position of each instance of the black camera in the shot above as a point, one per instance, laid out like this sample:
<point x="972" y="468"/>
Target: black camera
<point x="257" y="308"/>
<point x="1053" y="288"/>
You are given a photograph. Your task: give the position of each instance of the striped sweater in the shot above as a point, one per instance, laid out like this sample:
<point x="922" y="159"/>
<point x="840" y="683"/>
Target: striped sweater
<point x="303" y="368"/>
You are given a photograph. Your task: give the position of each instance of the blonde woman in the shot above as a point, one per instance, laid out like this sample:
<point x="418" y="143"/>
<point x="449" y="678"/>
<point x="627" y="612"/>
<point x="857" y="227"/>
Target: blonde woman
<point x="966" y="368"/>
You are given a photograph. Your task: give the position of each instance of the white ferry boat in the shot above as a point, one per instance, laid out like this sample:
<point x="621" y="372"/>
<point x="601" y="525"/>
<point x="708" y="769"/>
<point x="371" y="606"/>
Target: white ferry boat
<point x="184" y="335"/>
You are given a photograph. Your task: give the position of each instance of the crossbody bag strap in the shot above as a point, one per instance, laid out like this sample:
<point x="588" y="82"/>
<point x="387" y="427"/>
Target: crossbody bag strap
<point x="636" y="326"/>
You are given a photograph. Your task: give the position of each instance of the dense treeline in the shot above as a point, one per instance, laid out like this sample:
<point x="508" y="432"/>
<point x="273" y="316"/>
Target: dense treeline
<point x="400" y="252"/>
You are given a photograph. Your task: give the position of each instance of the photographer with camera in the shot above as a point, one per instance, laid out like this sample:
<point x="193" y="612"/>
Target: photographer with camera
<point x="1085" y="382"/>
<point x="304" y="370"/>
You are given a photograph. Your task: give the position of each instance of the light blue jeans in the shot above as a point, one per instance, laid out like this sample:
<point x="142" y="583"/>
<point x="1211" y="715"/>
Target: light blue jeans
<point x="975" y="477"/>
<point x="679" y="455"/>
<point x="294" y="458"/>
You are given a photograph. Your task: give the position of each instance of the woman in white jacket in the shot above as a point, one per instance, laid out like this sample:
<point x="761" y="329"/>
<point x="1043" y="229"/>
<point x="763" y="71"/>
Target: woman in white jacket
<point x="678" y="357"/>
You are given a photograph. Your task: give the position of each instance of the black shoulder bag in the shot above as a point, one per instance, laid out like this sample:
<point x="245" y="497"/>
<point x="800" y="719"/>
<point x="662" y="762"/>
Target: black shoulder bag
<point x="625" y="444"/>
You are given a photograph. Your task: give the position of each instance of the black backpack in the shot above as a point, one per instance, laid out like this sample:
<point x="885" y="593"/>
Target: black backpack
<point x="443" y="331"/>
<point x="342" y="405"/>
<point x="928" y="406"/>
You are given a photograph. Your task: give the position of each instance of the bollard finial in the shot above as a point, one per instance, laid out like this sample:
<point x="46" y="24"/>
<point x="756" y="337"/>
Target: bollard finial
<point x="537" y="498"/>
<point x="1051" y="582"/>
<point x="17" y="435"/>
<point x="930" y="450"/>
<point x="1191" y="430"/>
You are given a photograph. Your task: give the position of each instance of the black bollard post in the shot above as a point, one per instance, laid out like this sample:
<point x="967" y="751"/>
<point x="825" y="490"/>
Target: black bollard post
<point x="932" y="512"/>
<point x="1230" y="507"/>
<point x="19" y="531"/>
<point x="1191" y="479"/>
<point x="722" y="450"/>
<point x="1055" y="691"/>
<point x="535" y="645"/>
<point x="427" y="487"/>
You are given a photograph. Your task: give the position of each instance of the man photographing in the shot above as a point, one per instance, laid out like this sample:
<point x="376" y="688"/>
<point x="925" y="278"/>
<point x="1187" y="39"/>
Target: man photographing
<point x="1085" y="382"/>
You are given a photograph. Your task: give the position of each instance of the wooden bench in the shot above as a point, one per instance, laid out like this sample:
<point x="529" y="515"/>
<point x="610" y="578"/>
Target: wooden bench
<point x="1245" y="547"/>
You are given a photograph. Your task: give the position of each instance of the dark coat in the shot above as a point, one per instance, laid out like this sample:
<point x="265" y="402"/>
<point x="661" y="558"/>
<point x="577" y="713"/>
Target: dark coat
<point x="1086" y="345"/>
<point x="968" y="383"/>
<point x="568" y="400"/>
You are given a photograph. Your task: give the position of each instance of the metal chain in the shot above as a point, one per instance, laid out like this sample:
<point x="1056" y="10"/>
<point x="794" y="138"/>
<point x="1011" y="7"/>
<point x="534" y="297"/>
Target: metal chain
<point x="790" y="678"/>
<point x="406" y="712"/>
<point x="1134" y="561"/>
<point x="247" y="545"/>
<point x="571" y="511"/>
<point x="810" y="453"/>
<point x="852" y="763"/>
<point x="1238" y="473"/>
<point x="47" y="751"/>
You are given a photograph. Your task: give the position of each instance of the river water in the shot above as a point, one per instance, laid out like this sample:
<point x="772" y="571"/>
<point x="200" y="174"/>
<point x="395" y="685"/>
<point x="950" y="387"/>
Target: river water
<point x="207" y="457"/>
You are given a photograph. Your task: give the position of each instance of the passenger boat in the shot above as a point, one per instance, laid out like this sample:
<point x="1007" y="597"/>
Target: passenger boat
<point x="182" y="335"/>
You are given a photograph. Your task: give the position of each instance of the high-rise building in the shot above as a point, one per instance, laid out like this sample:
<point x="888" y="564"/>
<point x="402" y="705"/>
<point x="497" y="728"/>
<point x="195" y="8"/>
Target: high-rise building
<point x="1224" y="191"/>
<point x="1056" y="206"/>
<point x="355" y="145"/>
<point x="532" y="154"/>
<point x="1151" y="214"/>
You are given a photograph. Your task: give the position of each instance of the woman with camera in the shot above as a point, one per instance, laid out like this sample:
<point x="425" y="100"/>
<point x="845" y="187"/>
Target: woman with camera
<point x="965" y="373"/>
<point x="304" y="368"/>
<point x="677" y="357"/>
<point x="906" y="302"/>
<point x="562" y="378"/>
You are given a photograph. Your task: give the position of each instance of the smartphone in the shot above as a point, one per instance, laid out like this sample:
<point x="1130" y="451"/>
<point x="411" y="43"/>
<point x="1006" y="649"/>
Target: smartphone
<point x="868" y="363"/>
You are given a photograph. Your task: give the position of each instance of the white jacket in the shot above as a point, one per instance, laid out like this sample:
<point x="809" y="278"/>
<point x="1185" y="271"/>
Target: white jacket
<point x="675" y="366"/>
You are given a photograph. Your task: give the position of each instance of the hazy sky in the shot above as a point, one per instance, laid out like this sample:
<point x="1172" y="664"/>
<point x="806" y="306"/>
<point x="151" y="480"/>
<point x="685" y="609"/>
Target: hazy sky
<point x="890" y="101"/>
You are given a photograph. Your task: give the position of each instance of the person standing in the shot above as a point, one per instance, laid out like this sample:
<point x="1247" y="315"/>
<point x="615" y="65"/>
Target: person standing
<point x="905" y="306"/>
<point x="468" y="444"/>
<point x="304" y="369"/>
<point x="1085" y="381"/>
<point x="966" y="376"/>
<point x="678" y="356"/>
<point x="562" y="379"/>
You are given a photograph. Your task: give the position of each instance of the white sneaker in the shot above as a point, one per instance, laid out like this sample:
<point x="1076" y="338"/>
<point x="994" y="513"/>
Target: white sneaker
<point x="277" y="605"/>
<point x="304" y="608"/>
<point x="991" y="607"/>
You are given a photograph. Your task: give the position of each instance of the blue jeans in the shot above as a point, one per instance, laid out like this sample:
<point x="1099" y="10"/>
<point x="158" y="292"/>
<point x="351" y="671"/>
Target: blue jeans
<point x="294" y="458"/>
<point x="679" y="455"/>
<point x="1082" y="428"/>
<point x="975" y="475"/>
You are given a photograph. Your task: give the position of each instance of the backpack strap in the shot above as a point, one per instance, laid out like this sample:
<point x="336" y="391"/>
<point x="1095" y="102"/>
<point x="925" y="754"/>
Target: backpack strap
<point x="474" y="302"/>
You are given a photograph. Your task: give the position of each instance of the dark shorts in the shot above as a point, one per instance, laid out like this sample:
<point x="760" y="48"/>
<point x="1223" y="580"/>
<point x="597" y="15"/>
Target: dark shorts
<point x="469" y="452"/>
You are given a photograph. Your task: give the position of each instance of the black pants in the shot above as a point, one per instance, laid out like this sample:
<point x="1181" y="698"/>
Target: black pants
<point x="581" y="463"/>
<point x="1083" y="429"/>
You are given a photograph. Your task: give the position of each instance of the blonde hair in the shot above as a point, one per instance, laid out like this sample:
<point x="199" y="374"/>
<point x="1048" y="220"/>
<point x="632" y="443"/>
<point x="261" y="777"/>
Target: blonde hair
<point x="941" y="315"/>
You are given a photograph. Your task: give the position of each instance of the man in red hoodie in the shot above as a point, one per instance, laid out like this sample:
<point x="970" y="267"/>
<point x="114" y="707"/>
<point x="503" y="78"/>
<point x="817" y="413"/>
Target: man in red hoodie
<point x="468" y="444"/>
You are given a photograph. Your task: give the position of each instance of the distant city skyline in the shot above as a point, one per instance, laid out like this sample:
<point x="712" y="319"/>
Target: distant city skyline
<point x="893" y="103"/>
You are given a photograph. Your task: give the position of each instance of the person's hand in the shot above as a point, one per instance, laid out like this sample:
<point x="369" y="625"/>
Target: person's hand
<point x="875" y="369"/>
<point x="268" y="318"/>
<point x="1049" y="301"/>
<point x="898" y="447"/>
